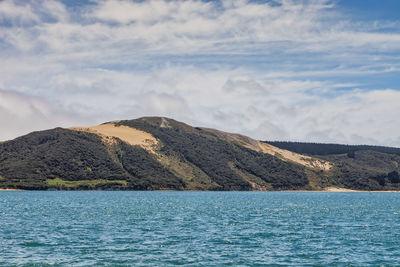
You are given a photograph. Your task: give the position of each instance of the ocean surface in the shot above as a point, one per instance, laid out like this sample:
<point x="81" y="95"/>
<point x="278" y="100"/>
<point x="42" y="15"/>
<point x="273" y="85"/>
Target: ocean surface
<point x="199" y="228"/>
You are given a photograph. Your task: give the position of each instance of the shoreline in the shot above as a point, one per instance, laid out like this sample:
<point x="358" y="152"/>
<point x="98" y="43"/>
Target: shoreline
<point x="327" y="190"/>
<point x="11" y="189"/>
<point x="340" y="189"/>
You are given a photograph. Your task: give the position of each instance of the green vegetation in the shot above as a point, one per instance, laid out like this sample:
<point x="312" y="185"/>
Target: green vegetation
<point x="212" y="155"/>
<point x="30" y="161"/>
<point x="393" y="177"/>
<point x="330" y="149"/>
<point x="58" y="183"/>
<point x="358" y="167"/>
<point x="187" y="158"/>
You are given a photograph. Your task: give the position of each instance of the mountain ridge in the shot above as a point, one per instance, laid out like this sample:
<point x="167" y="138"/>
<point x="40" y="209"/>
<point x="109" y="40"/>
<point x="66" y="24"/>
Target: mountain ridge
<point x="158" y="153"/>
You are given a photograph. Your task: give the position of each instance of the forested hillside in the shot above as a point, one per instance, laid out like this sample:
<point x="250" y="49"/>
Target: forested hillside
<point x="330" y="149"/>
<point x="65" y="159"/>
<point x="228" y="165"/>
<point x="187" y="159"/>
<point x="356" y="166"/>
<point x="154" y="153"/>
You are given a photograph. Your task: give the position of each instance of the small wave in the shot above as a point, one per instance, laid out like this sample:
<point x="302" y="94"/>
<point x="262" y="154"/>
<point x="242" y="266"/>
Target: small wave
<point x="33" y="244"/>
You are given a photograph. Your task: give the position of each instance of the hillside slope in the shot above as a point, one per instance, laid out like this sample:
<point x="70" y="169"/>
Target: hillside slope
<point x="355" y="166"/>
<point x="154" y="153"/>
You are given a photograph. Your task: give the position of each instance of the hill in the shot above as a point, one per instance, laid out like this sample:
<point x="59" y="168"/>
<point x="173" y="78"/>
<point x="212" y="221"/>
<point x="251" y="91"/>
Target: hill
<point x="330" y="149"/>
<point x="155" y="153"/>
<point x="355" y="166"/>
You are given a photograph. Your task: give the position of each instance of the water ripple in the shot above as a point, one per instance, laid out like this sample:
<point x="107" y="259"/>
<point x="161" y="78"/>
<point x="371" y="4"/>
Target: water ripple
<point x="199" y="228"/>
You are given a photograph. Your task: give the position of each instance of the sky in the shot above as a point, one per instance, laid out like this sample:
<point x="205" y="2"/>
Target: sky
<point x="289" y="70"/>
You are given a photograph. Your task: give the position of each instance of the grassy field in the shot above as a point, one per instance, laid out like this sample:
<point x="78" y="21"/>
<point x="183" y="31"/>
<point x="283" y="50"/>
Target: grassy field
<point x="91" y="184"/>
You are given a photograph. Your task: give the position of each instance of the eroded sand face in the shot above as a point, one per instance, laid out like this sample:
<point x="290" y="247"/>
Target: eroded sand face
<point x="283" y="154"/>
<point x="298" y="158"/>
<point x="130" y="135"/>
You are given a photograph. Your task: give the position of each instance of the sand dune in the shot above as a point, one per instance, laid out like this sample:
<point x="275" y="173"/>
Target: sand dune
<point x="132" y="136"/>
<point x="292" y="156"/>
<point x="283" y="154"/>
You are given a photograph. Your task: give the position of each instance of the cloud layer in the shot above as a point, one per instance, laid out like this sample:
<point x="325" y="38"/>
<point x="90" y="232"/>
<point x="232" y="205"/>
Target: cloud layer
<point x="276" y="70"/>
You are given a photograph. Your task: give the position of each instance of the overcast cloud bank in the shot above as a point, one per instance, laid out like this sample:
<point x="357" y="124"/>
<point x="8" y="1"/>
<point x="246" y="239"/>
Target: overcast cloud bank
<point x="280" y="70"/>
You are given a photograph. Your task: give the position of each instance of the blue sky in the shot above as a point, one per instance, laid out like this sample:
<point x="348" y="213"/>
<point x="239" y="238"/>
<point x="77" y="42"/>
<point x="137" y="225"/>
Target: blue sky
<point x="370" y="10"/>
<point x="317" y="70"/>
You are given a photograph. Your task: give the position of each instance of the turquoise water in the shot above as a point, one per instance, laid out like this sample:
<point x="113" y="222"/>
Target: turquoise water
<point x="199" y="228"/>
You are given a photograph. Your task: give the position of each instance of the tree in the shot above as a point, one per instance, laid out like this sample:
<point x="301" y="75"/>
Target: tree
<point x="351" y="154"/>
<point x="394" y="177"/>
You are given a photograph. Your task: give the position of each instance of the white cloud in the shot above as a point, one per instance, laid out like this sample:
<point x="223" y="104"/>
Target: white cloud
<point x="17" y="14"/>
<point x="158" y="26"/>
<point x="55" y="10"/>
<point x="286" y="111"/>
<point x="269" y="71"/>
<point x="123" y="11"/>
<point x="161" y="104"/>
<point x="21" y="114"/>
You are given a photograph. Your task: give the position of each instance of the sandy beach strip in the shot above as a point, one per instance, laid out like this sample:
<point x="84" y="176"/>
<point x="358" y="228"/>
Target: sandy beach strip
<point x="340" y="189"/>
<point x="10" y="189"/>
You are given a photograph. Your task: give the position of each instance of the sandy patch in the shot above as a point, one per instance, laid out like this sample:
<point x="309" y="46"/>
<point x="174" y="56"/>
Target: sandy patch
<point x="295" y="157"/>
<point x="165" y="123"/>
<point x="10" y="189"/>
<point x="339" y="189"/>
<point x="283" y="154"/>
<point x="130" y="135"/>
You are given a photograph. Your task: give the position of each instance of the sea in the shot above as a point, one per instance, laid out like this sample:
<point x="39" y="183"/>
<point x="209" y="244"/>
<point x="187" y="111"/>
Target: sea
<point x="168" y="228"/>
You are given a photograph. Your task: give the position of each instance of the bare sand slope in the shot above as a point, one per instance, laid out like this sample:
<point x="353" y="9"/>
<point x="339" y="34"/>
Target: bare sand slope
<point x="133" y="136"/>
<point x="130" y="135"/>
<point x="283" y="154"/>
<point x="295" y="157"/>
